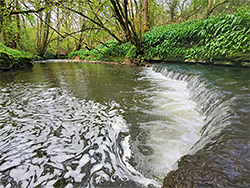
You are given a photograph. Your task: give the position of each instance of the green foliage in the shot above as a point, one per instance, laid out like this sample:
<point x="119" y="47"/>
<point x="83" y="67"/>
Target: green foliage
<point x="218" y="37"/>
<point x="221" y="37"/>
<point x="15" y="54"/>
<point x="11" y="59"/>
<point x="110" y="51"/>
<point x="82" y="54"/>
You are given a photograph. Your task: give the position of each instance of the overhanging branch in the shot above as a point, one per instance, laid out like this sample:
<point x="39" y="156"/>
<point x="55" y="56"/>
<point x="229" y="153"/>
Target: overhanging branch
<point x="93" y="21"/>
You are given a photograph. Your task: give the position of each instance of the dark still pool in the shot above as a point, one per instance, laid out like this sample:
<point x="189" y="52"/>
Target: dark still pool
<point x="93" y="125"/>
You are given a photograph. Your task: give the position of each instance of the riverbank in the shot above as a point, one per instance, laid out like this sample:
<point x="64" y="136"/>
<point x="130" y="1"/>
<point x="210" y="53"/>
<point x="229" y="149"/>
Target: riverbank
<point x="221" y="40"/>
<point x="7" y="63"/>
<point x="128" y="62"/>
<point x="12" y="59"/>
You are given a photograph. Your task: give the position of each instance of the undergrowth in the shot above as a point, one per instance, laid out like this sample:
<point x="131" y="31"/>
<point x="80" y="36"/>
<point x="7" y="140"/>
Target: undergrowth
<point x="221" y="37"/>
<point x="110" y="51"/>
<point x="15" y="54"/>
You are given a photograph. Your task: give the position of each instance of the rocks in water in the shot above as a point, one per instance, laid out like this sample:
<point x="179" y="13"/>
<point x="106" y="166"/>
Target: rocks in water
<point x="223" y="166"/>
<point x="8" y="63"/>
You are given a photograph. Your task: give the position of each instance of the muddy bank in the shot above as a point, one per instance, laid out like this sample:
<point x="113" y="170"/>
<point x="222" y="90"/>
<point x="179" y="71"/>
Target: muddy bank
<point x="8" y="63"/>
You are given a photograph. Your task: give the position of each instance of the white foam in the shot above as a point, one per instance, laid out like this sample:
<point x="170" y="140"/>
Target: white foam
<point x="173" y="135"/>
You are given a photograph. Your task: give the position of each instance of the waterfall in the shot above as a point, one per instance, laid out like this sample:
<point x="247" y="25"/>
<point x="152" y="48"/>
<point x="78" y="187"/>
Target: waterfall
<point x="217" y="112"/>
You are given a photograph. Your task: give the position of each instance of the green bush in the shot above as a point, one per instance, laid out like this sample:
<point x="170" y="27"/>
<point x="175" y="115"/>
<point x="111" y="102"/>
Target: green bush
<point x="110" y="51"/>
<point x="214" y="38"/>
<point x="14" y="53"/>
<point x="82" y="54"/>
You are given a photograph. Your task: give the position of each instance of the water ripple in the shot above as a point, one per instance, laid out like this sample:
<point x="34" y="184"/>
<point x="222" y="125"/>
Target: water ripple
<point x="56" y="139"/>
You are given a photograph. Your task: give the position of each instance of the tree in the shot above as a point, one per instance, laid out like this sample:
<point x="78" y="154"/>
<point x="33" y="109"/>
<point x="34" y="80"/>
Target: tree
<point x="18" y="22"/>
<point x="2" y="8"/>
<point x="43" y="30"/>
<point x="145" y="16"/>
<point x="124" y="14"/>
<point x="212" y="4"/>
<point x="172" y="6"/>
<point x="128" y="14"/>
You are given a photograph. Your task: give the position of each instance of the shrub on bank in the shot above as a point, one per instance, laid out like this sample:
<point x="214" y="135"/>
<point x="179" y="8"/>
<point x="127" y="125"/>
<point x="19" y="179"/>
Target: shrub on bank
<point x="11" y="59"/>
<point x="222" y="37"/>
<point x="110" y="51"/>
<point x="14" y="53"/>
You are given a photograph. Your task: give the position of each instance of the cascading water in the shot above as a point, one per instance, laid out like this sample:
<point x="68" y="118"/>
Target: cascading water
<point x="83" y="125"/>
<point x="216" y="112"/>
<point x="174" y="124"/>
<point x="221" y="156"/>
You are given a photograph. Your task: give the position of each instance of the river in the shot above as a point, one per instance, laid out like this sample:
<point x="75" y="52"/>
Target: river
<point x="93" y="125"/>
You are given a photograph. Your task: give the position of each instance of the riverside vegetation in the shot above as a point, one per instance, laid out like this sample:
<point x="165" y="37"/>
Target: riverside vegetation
<point x="224" y="39"/>
<point x="12" y="59"/>
<point x="203" y="31"/>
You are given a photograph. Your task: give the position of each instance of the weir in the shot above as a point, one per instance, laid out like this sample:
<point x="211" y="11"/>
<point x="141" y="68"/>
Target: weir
<point x="220" y="156"/>
<point x="209" y="102"/>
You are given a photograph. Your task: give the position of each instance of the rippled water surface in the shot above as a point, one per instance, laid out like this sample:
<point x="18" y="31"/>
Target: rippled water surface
<point x="92" y="125"/>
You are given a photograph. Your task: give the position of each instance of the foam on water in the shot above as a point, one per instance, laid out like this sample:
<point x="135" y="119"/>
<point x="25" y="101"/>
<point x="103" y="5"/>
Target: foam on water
<point x="63" y="141"/>
<point x="50" y="137"/>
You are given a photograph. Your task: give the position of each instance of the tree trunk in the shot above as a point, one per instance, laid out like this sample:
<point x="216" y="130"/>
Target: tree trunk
<point x="2" y="7"/>
<point x="208" y="8"/>
<point x="211" y="6"/>
<point x="6" y="28"/>
<point x="172" y="9"/>
<point x="145" y="16"/>
<point x="46" y="30"/>
<point x="58" y="29"/>
<point x="121" y="12"/>
<point x="38" y="31"/>
<point x="18" y="22"/>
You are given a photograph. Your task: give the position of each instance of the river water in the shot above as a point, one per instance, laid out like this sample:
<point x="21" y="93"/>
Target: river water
<point x="93" y="125"/>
